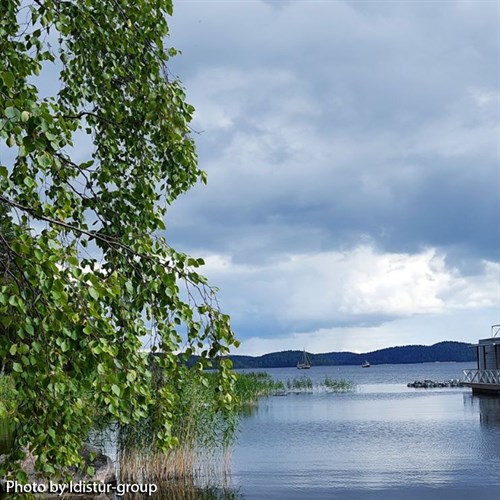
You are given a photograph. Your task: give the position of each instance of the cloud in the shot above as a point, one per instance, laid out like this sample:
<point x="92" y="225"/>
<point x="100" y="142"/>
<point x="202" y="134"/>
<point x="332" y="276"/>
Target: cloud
<point x="352" y="153"/>
<point x="338" y="121"/>
<point x="346" y="291"/>
<point x="353" y="163"/>
<point x="462" y="326"/>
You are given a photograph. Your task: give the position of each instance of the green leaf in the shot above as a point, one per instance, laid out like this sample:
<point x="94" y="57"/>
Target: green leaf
<point x="84" y="301"/>
<point x="8" y="79"/>
<point x="12" y="113"/>
<point x="28" y="181"/>
<point x="21" y="477"/>
<point x="73" y="261"/>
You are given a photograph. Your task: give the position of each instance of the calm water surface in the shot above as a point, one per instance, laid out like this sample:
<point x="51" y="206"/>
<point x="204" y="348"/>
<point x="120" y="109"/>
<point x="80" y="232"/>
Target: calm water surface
<point x="383" y="440"/>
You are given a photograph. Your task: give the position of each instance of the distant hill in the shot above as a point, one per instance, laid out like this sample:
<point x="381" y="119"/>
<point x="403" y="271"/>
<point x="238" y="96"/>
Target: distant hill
<point x="442" y="351"/>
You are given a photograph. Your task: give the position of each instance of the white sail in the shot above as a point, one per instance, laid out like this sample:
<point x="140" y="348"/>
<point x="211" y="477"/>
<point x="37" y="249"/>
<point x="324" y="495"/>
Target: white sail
<point x="305" y="362"/>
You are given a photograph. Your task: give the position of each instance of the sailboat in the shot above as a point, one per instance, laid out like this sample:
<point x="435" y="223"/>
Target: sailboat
<point x="304" y="363"/>
<point x="366" y="364"/>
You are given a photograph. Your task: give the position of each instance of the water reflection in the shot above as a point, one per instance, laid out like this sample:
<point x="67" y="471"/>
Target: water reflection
<point x="183" y="491"/>
<point x="489" y="410"/>
<point x="378" y="438"/>
<point x="382" y="441"/>
<point x="248" y="410"/>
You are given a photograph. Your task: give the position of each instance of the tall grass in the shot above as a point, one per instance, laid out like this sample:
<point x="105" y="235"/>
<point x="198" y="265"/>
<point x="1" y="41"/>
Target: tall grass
<point x="182" y="466"/>
<point x="305" y="384"/>
<point x="8" y="397"/>
<point x="300" y="384"/>
<point x="341" y="385"/>
<point x="203" y="433"/>
<point x="251" y="386"/>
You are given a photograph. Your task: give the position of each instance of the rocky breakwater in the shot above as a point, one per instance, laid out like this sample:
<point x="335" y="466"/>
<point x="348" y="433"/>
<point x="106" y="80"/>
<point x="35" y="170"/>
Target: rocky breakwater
<point x="431" y="384"/>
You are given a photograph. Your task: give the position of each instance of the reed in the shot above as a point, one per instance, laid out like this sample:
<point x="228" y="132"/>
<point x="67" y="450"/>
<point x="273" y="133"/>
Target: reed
<point x="181" y="463"/>
<point x="183" y="473"/>
<point x="199" y="461"/>
<point x="300" y="384"/>
<point x="8" y="397"/>
<point x="203" y="434"/>
<point x="251" y="386"/>
<point x="305" y="384"/>
<point x="341" y="385"/>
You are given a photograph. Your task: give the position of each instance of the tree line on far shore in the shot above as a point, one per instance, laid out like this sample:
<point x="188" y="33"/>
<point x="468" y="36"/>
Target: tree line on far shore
<point x="447" y="351"/>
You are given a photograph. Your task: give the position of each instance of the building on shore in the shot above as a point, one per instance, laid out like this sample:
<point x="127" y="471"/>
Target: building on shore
<point x="486" y="378"/>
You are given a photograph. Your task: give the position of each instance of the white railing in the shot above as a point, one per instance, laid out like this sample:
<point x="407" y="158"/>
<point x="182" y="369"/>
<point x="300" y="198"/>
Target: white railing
<point x="482" y="377"/>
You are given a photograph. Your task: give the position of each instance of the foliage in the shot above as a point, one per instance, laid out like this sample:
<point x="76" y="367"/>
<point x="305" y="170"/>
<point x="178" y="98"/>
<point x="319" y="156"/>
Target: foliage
<point x="86" y="272"/>
<point x="202" y="431"/>
<point x="251" y="386"/>
<point x="196" y="421"/>
<point x="8" y="397"/>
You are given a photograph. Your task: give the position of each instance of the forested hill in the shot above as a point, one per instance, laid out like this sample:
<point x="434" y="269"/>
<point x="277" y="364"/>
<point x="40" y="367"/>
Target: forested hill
<point x="443" y="351"/>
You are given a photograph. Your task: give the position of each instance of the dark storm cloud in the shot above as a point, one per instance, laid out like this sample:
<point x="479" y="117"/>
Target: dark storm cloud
<point x="352" y="153"/>
<point x="338" y="121"/>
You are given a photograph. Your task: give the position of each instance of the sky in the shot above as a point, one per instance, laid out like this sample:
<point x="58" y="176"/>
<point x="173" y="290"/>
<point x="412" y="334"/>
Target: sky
<point x="353" y="159"/>
<point x="352" y="152"/>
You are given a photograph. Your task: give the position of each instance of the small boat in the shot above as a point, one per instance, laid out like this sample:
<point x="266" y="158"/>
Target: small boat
<point x="366" y="364"/>
<point x="304" y="363"/>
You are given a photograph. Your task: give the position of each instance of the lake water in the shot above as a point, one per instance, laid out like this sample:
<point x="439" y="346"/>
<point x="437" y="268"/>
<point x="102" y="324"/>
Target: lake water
<point x="381" y="441"/>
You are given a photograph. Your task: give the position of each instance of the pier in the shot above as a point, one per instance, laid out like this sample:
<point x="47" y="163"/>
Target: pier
<point x="486" y="378"/>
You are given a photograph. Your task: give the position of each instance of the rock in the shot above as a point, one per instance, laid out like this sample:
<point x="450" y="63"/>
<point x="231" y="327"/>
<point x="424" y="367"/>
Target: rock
<point x="431" y="384"/>
<point x="105" y="474"/>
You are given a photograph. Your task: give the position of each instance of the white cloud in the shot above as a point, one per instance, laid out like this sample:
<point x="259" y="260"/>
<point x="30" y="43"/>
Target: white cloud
<point x="463" y="326"/>
<point x="484" y="97"/>
<point x="358" y="287"/>
<point x="476" y="291"/>
<point x="395" y="284"/>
